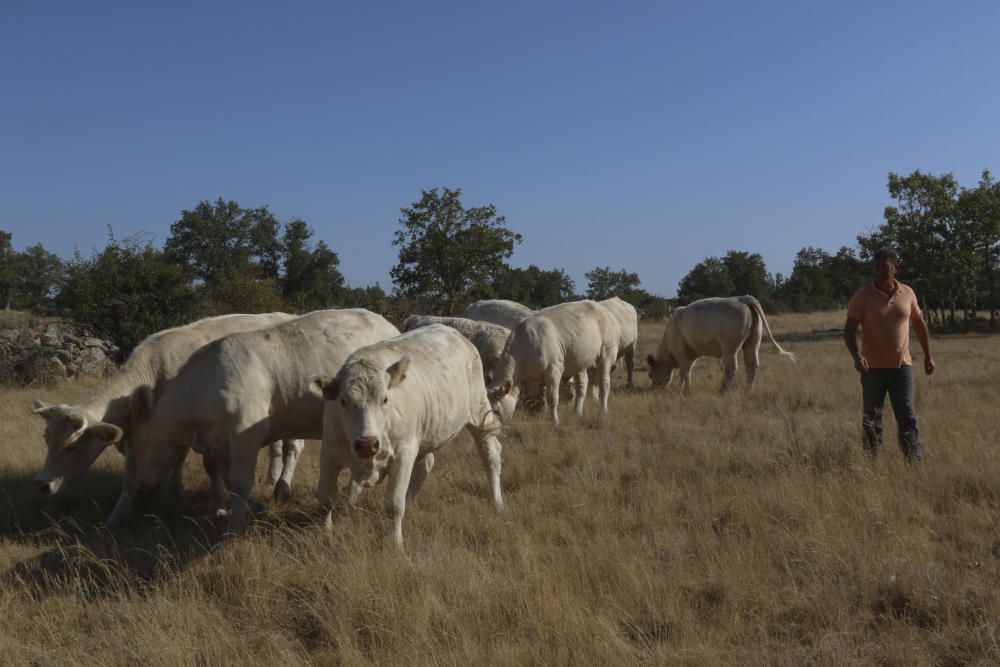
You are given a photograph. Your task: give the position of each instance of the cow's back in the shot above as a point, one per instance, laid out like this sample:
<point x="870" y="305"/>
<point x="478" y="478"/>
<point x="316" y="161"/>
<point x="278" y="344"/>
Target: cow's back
<point x="705" y="323"/>
<point x="581" y="329"/>
<point x="499" y="311"/>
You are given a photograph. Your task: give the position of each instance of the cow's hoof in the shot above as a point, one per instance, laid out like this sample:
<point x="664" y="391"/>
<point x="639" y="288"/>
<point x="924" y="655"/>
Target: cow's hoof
<point x="282" y="492"/>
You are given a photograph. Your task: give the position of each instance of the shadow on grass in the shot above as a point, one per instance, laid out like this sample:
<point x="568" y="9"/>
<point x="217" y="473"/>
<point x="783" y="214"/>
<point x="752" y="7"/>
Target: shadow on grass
<point x="77" y="555"/>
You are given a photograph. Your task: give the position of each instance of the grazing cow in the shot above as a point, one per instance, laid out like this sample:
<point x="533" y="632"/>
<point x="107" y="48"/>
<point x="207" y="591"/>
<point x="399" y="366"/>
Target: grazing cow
<point x="488" y="338"/>
<point x="716" y="327"/>
<point x="392" y="405"/>
<point x="77" y="434"/>
<point x="241" y="392"/>
<point x="628" y="328"/>
<point x="559" y="341"/>
<point x="499" y="311"/>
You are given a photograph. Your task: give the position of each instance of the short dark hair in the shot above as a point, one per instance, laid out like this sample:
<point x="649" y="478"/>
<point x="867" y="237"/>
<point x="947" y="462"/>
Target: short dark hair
<point x="886" y="253"/>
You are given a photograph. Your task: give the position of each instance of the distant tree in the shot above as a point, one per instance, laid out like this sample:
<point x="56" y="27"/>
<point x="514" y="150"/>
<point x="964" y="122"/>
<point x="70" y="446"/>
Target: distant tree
<point x="39" y="273"/>
<point x="604" y="283"/>
<point x="534" y="287"/>
<point x="8" y="269"/>
<point x="708" y="278"/>
<point x="127" y="291"/>
<point x="214" y="241"/>
<point x="979" y="208"/>
<point x="748" y="274"/>
<point x="311" y="279"/>
<point x="447" y="252"/>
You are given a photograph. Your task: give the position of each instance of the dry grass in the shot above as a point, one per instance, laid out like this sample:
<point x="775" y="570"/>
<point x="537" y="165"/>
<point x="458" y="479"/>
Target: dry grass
<point x="747" y="529"/>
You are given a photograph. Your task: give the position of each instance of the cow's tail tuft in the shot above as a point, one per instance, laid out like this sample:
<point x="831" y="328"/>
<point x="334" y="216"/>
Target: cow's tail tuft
<point x="758" y="311"/>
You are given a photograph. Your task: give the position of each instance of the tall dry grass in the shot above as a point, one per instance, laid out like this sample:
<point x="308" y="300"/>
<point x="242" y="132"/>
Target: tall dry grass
<point x="745" y="529"/>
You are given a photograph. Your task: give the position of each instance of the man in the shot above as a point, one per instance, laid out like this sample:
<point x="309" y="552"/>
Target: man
<point x="884" y="309"/>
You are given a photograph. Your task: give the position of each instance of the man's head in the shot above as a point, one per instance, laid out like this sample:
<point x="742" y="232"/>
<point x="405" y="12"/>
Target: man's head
<point x="885" y="265"/>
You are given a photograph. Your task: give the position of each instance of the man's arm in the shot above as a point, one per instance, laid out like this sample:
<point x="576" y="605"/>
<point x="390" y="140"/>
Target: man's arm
<point x="851" y="341"/>
<point x="920" y="327"/>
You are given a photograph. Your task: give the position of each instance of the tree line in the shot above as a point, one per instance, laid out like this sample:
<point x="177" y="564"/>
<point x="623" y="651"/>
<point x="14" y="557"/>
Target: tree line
<point x="220" y="257"/>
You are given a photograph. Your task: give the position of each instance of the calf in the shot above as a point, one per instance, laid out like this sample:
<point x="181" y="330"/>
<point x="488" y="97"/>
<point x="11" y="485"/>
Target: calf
<point x="396" y="402"/>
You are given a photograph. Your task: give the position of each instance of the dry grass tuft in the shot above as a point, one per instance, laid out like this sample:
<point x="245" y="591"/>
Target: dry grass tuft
<point x="736" y="529"/>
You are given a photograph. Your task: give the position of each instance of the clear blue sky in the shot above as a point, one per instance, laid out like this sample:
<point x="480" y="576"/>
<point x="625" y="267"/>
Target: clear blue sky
<point x="637" y="135"/>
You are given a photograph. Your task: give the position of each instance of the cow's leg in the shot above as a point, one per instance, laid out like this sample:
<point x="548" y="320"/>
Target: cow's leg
<point x="421" y="469"/>
<point x="729" y="364"/>
<point x="593" y="382"/>
<point x="400" y="472"/>
<point x="552" y="380"/>
<point x="243" y="447"/>
<point x="580" y="392"/>
<point x="330" y="465"/>
<point x="751" y="357"/>
<point x="291" y="451"/>
<point x="489" y="451"/>
<point x="130" y="487"/>
<point x="604" y="373"/>
<point x="629" y="365"/>
<point x="175" y="479"/>
<point x="685" y="366"/>
<point x="217" y="490"/>
<point x="274" y="462"/>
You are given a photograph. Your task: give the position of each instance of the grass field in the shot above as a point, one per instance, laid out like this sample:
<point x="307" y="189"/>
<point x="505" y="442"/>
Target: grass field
<point x="744" y="529"/>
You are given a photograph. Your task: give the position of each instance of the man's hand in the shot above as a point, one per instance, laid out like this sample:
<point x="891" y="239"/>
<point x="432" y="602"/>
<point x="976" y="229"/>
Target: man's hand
<point x="861" y="364"/>
<point x="929" y="364"/>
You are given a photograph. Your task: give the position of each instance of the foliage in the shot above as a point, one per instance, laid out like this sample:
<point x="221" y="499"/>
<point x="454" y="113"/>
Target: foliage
<point x="28" y="279"/>
<point x="709" y="277"/>
<point x="448" y="253"/>
<point x="127" y="291"/>
<point x="534" y="287"/>
<point x="311" y="279"/>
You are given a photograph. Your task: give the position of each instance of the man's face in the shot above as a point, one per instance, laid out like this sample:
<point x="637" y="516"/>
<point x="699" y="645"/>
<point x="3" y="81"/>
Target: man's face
<point x="885" y="270"/>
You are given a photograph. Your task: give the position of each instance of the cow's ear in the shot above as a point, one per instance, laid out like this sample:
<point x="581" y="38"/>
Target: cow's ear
<point x="397" y="372"/>
<point x="324" y="387"/>
<point x="651" y="361"/>
<point x="505" y="389"/>
<point x="108" y="434"/>
<point x="142" y="402"/>
<point x="47" y="412"/>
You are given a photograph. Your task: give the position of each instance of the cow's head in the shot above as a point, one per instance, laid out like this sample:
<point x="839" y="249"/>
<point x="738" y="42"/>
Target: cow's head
<point x="661" y="370"/>
<point x="360" y="405"/>
<point x="503" y="399"/>
<point x="151" y="448"/>
<point x="73" y="442"/>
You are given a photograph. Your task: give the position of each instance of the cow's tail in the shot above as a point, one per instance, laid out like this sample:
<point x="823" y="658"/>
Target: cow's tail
<point x="758" y="311"/>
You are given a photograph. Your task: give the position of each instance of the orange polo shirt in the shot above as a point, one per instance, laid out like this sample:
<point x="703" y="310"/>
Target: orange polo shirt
<point x="885" y="323"/>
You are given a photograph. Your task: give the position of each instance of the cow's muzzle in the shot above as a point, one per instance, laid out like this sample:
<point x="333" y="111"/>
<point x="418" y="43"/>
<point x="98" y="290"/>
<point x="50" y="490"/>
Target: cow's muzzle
<point x="366" y="447"/>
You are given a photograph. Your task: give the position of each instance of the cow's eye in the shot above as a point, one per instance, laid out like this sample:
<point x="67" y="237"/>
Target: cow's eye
<point x="343" y="402"/>
<point x="70" y="447"/>
<point x="385" y="400"/>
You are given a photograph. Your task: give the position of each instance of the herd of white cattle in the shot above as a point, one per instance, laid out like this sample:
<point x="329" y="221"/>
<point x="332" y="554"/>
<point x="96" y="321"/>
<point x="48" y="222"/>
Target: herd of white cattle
<point x="382" y="402"/>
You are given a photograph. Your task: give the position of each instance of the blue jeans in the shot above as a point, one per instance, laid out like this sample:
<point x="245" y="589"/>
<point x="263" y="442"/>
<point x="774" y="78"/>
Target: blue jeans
<point x="899" y="384"/>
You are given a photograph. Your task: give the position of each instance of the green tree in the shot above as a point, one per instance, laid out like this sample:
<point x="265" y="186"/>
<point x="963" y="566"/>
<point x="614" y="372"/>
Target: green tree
<point x="311" y="279"/>
<point x="127" y="291"/>
<point x="447" y="252"/>
<point x="8" y="269"/>
<point x="604" y="283"/>
<point x="234" y="252"/>
<point x="39" y="273"/>
<point x="708" y="278"/>
<point x="534" y="287"/>
<point x="979" y="208"/>
<point x="748" y="274"/>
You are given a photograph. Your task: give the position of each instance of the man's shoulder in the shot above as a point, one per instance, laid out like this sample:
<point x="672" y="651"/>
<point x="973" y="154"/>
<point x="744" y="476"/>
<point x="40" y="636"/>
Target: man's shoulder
<point x="906" y="289"/>
<point x="863" y="290"/>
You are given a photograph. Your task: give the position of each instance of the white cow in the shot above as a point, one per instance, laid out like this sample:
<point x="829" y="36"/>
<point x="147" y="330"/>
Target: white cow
<point x="558" y="342"/>
<point x="499" y="311"/>
<point x="77" y="434"/>
<point x="392" y="405"/>
<point x="488" y="338"/>
<point x="628" y="328"/>
<point x="716" y="327"/>
<point x="243" y="391"/>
